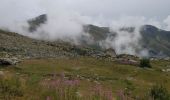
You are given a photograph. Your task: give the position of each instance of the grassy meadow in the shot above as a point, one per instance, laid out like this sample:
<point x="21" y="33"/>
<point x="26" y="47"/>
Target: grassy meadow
<point x="82" y="78"/>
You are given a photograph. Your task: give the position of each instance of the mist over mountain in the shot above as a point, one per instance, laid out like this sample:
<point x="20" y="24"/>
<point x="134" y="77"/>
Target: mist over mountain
<point x="156" y="40"/>
<point x="37" y="22"/>
<point x="146" y="40"/>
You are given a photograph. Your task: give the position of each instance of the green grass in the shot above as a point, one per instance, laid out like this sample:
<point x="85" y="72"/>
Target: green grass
<point x="110" y="75"/>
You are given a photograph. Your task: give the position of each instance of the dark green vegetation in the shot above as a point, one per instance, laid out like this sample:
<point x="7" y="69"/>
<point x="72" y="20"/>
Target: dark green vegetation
<point x="158" y="92"/>
<point x="145" y="63"/>
<point x="36" y="78"/>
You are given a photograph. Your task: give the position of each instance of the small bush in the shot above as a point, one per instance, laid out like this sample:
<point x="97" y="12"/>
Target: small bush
<point x="158" y="92"/>
<point x="10" y="88"/>
<point x="145" y="63"/>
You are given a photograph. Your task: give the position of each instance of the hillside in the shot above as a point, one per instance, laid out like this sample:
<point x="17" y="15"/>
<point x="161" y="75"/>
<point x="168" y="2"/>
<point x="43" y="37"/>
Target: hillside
<point x="22" y="46"/>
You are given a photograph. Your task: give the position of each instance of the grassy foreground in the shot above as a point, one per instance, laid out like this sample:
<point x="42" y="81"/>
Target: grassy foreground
<point x="80" y="79"/>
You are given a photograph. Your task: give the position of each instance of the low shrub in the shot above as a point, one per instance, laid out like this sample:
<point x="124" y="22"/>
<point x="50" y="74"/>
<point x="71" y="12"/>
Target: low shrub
<point x="145" y="63"/>
<point x="158" y="92"/>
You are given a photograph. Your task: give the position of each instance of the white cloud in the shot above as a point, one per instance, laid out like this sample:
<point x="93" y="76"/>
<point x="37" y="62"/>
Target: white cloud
<point x="167" y="23"/>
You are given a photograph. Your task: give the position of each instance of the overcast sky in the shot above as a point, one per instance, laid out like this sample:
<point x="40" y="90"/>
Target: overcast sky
<point x="106" y="8"/>
<point x="97" y="10"/>
<point x="116" y="8"/>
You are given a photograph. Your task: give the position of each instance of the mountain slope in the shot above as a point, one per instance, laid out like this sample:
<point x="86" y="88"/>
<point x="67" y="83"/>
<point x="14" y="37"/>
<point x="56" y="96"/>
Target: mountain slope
<point x="155" y="40"/>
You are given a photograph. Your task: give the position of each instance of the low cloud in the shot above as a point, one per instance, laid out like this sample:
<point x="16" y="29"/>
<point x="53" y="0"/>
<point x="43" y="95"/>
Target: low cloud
<point x="167" y="23"/>
<point x="67" y="18"/>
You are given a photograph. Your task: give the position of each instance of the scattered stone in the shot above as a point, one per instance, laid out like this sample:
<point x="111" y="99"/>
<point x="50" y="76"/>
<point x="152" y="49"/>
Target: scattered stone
<point x="168" y="70"/>
<point x="88" y="80"/>
<point x="165" y="70"/>
<point x="130" y="78"/>
<point x="17" y="73"/>
<point x="97" y="78"/>
<point x="96" y="82"/>
<point x="81" y="78"/>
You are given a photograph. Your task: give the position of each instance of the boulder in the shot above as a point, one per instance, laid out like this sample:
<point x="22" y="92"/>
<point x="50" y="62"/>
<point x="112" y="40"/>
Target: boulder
<point x="110" y="52"/>
<point x="8" y="61"/>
